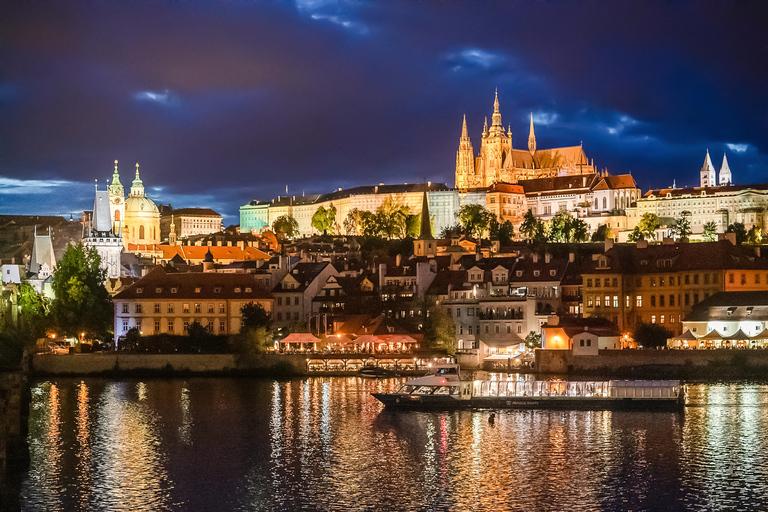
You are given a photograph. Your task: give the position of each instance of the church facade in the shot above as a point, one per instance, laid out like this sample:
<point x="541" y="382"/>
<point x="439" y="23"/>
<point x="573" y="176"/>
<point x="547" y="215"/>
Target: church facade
<point x="137" y="218"/>
<point x="499" y="162"/>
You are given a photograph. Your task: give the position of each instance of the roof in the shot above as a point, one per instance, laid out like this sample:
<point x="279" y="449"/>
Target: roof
<point x="615" y="182"/>
<point x="198" y="252"/>
<point x="731" y="306"/>
<point x="575" y="325"/>
<point x="195" y="212"/>
<point x="160" y="284"/>
<point x="550" y="185"/>
<point x="304" y="274"/>
<point x="676" y="192"/>
<point x="366" y="189"/>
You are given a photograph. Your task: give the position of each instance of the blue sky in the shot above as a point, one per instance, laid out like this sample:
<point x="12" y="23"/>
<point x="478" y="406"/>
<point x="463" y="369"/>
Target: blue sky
<point x="224" y="102"/>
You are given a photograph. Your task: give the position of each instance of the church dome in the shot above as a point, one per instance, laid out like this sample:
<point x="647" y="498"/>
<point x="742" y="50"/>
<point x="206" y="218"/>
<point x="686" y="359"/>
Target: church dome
<point x="139" y="205"/>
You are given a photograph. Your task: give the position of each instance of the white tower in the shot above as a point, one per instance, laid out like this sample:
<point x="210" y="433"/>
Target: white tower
<point x="725" y="173"/>
<point x="708" y="178"/>
<point x="102" y="237"/>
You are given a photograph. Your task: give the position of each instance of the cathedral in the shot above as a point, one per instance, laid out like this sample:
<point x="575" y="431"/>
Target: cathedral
<point x="136" y="219"/>
<point x="499" y="162"/>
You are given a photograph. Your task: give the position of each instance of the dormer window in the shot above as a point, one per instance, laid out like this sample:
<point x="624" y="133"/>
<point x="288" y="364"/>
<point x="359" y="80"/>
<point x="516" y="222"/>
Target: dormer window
<point x="198" y="289"/>
<point x="552" y="273"/>
<point x="536" y="273"/>
<point x="174" y="290"/>
<point x="237" y="289"/>
<point x="158" y="290"/>
<point x="139" y="290"/>
<point x="248" y="290"/>
<point x="217" y="289"/>
<point x="519" y="273"/>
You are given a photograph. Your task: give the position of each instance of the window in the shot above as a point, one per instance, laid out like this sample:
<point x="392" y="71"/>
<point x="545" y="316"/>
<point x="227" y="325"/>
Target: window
<point x="536" y="273"/>
<point x="653" y="319"/>
<point x="170" y="307"/>
<point x="653" y="301"/>
<point x="597" y="283"/>
<point x="589" y="302"/>
<point x="597" y="301"/>
<point x="497" y="329"/>
<point x="138" y="324"/>
<point x="486" y="329"/>
<point x="248" y="290"/>
<point x="653" y="281"/>
<point x="174" y="290"/>
<point x="509" y="329"/>
<point x="688" y="279"/>
<point x="607" y="301"/>
<point x="186" y="326"/>
<point x="627" y="301"/>
<point x="581" y="343"/>
<point x="706" y="278"/>
<point x="138" y="308"/>
<point x="221" y="326"/>
<point x="458" y="312"/>
<point x="210" y="308"/>
<point x="296" y="301"/>
<point x="157" y="325"/>
<point x="198" y="308"/>
<point x="519" y="329"/>
<point x="125" y="307"/>
<point x="222" y="309"/>
<point x="552" y="273"/>
<point x="157" y="308"/>
<point x="469" y="330"/>
<point x="695" y="298"/>
<point x="470" y="311"/>
<point x="589" y="283"/>
<point x="125" y="325"/>
<point x="757" y="278"/>
<point x="661" y="301"/>
<point x="661" y="281"/>
<point x="687" y="300"/>
<point x="661" y="319"/>
<point x="185" y="308"/>
<point x="139" y="290"/>
<point x="615" y="301"/>
<point x="209" y="327"/>
<point x="671" y="300"/>
<point x="695" y="278"/>
<point x="615" y="282"/>
<point x="743" y="279"/>
<point x="279" y="317"/>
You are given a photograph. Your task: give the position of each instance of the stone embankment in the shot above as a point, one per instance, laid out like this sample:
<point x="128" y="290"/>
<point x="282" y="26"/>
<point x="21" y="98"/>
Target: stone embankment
<point x="14" y="453"/>
<point x="123" y="364"/>
<point x="672" y="364"/>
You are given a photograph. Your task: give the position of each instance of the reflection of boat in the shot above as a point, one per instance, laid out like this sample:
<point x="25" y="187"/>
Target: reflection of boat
<point x="447" y="388"/>
<point x="374" y="372"/>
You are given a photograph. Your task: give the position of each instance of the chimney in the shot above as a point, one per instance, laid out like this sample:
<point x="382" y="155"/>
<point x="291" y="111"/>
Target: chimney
<point x="731" y="237"/>
<point x="608" y="244"/>
<point x="642" y="244"/>
<point x="571" y="257"/>
<point x="241" y="244"/>
<point x="757" y="251"/>
<point x="382" y="274"/>
<point x="547" y="257"/>
<point x="535" y="258"/>
<point x="398" y="259"/>
<point x="667" y="241"/>
<point x="553" y="321"/>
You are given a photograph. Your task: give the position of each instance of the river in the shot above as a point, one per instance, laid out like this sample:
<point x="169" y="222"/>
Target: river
<point x="325" y="444"/>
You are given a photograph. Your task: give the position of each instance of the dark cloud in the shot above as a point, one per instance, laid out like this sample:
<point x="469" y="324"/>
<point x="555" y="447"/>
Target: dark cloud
<point x="223" y="102"/>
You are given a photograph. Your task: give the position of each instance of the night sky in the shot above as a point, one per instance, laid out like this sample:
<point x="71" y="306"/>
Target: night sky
<point x="225" y="102"/>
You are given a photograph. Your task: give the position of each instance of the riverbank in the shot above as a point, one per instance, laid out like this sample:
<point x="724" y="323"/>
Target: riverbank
<point x="704" y="365"/>
<point x="14" y="451"/>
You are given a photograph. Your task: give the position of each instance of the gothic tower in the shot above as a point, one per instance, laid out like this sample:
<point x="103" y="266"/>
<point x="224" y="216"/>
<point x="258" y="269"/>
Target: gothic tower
<point x="465" y="160"/>
<point x="532" y="138"/>
<point x="101" y="235"/>
<point x="725" y="173"/>
<point x="708" y="173"/>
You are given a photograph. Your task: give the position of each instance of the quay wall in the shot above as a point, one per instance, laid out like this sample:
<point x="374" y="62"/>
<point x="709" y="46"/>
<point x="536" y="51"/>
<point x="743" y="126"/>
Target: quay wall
<point x="127" y="364"/>
<point x="14" y="452"/>
<point x="720" y="363"/>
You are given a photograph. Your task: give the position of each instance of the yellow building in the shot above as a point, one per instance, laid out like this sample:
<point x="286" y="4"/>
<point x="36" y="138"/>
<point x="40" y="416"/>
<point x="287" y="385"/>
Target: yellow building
<point x="499" y="162"/>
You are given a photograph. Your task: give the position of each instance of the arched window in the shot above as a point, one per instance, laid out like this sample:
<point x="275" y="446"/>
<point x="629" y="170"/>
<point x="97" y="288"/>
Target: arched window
<point x="141" y="232"/>
<point x="117" y="215"/>
<point x="605" y="203"/>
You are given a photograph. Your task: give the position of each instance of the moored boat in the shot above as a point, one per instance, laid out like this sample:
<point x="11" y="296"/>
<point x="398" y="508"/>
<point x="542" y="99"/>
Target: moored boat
<point x="447" y="388"/>
<point x="375" y="372"/>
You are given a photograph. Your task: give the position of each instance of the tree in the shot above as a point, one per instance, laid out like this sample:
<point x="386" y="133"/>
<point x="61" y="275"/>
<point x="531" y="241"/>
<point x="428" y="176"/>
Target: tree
<point x="602" y="233"/>
<point x="754" y="235"/>
<point x="565" y="228"/>
<point x="81" y="303"/>
<point x="652" y="335"/>
<point x="681" y="228"/>
<point x="353" y="222"/>
<point x="285" y="226"/>
<point x="504" y="233"/>
<point x="636" y="235"/>
<point x="532" y="228"/>
<point x="255" y="316"/>
<point x="648" y="225"/>
<point x="439" y="330"/>
<point x="34" y="309"/>
<point x="413" y="225"/>
<point x="475" y="219"/>
<point x="324" y="219"/>
<point x="710" y="231"/>
<point x="391" y="218"/>
<point x="740" y="230"/>
<point x="533" y="340"/>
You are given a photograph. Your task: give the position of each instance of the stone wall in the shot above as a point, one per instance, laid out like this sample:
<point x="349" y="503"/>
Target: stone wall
<point x="95" y="364"/>
<point x="14" y="413"/>
<point x="669" y="363"/>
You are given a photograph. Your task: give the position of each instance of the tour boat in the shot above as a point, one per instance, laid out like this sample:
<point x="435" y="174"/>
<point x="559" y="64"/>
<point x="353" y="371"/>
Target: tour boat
<point x="374" y="372"/>
<point x="447" y="388"/>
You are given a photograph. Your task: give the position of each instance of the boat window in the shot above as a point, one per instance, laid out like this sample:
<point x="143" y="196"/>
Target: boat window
<point x="446" y="371"/>
<point x="423" y="390"/>
<point x="406" y="389"/>
<point x="442" y="390"/>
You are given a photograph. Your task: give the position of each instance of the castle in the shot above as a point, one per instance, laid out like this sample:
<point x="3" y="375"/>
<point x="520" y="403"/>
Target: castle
<point x="499" y="162"/>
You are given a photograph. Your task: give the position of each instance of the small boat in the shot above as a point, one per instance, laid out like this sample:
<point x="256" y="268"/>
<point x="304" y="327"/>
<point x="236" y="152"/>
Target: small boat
<point x="447" y="388"/>
<point x="374" y="372"/>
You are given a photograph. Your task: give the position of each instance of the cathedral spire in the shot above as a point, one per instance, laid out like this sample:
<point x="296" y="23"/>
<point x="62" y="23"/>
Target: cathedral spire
<point x="464" y="132"/>
<point x="426" y="225"/>
<point x="116" y="188"/>
<point x="707" y="173"/>
<point x="532" y="138"/>
<point x="496" y="126"/>
<point x="485" y="127"/>
<point x="137" y="187"/>
<point x="725" y="173"/>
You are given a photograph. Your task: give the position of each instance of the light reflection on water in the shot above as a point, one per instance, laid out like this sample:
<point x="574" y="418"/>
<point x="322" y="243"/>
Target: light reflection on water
<point x="325" y="444"/>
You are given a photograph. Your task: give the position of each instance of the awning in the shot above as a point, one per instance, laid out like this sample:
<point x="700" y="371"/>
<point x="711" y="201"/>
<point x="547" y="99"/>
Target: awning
<point x="396" y="338"/>
<point x="300" y="337"/>
<point x="762" y="336"/>
<point x="712" y="335"/>
<point x="737" y="336"/>
<point x="686" y="336"/>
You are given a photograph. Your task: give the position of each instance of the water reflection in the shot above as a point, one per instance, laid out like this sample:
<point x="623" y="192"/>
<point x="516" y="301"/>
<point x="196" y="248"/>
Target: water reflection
<point x="326" y="444"/>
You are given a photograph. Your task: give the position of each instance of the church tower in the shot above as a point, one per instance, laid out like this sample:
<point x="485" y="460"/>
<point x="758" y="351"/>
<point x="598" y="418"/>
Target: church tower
<point x="495" y="150"/>
<point x="101" y="235"/>
<point x="116" y="202"/>
<point x="465" y="160"/>
<point x="142" y="217"/>
<point x="425" y="244"/>
<point x="725" y="173"/>
<point x="708" y="173"/>
<point x="531" y="138"/>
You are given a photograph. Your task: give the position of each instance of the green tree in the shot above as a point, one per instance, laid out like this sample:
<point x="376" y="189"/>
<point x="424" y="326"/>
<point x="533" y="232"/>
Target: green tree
<point x="439" y="330"/>
<point x="652" y="335"/>
<point x="475" y="219"/>
<point x="532" y="228"/>
<point x="391" y="218"/>
<point x="740" y="230"/>
<point x="648" y="225"/>
<point x="636" y="235"/>
<point x="254" y="317"/>
<point x="285" y="226"/>
<point x="324" y="219"/>
<point x="353" y="222"/>
<point x="34" y="309"/>
<point x="710" y="231"/>
<point x="602" y="233"/>
<point x="81" y="303"/>
<point x="754" y="236"/>
<point x="533" y="340"/>
<point x="681" y="227"/>
<point x="565" y="228"/>
<point x="413" y="225"/>
<point x="504" y="233"/>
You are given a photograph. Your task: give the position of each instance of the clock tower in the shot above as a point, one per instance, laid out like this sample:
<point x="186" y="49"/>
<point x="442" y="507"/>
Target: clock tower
<point x="116" y="202"/>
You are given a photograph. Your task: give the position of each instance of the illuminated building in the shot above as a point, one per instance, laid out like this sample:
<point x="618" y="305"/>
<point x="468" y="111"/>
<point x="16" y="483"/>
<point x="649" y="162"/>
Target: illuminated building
<point x="499" y="162"/>
<point x="102" y="237"/>
<point x="729" y="312"/>
<point x="141" y="217"/>
<point x="188" y="222"/>
<point x="296" y="290"/>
